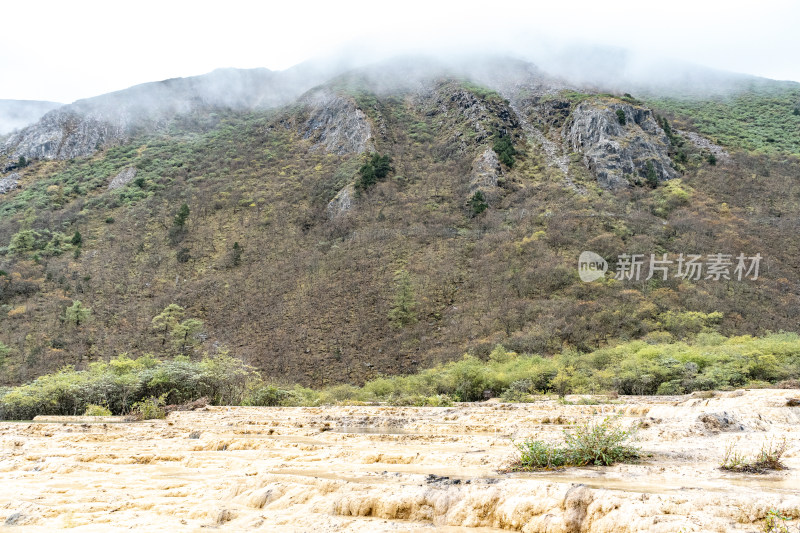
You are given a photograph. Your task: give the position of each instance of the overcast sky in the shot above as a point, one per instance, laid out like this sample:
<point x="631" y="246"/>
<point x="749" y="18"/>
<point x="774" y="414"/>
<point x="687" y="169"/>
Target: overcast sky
<point x="65" y="50"/>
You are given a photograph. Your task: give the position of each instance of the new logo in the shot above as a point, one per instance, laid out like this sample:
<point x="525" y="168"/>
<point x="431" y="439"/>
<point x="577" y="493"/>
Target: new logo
<point x="591" y="266"/>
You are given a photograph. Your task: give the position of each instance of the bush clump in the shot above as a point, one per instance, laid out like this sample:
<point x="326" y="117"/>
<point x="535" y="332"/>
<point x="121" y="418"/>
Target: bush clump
<point x="149" y="409"/>
<point x="96" y="410"/>
<point x="505" y="150"/>
<point x="601" y="444"/>
<point x="374" y="169"/>
<point x="705" y="360"/>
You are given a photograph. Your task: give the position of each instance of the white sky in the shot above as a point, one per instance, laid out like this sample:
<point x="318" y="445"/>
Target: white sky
<point x="65" y="50"/>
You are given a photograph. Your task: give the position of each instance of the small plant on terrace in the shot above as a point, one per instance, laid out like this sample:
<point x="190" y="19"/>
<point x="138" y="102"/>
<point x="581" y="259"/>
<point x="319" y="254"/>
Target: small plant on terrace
<point x="766" y="460"/>
<point x="601" y="444"/>
<point x="774" y="522"/>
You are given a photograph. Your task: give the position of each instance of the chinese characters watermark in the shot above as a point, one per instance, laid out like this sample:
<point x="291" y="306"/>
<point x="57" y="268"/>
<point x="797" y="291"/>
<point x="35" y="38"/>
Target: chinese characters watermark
<point x="694" y="267"/>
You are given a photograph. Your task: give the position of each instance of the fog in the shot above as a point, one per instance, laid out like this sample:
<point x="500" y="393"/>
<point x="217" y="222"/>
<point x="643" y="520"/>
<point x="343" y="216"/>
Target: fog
<point x="15" y="114"/>
<point x="63" y="51"/>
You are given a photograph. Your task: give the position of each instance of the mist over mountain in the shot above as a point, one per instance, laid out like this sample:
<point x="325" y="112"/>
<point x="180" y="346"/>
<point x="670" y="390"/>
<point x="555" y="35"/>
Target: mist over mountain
<point x="80" y="128"/>
<point x="348" y="218"/>
<point x="16" y="114"/>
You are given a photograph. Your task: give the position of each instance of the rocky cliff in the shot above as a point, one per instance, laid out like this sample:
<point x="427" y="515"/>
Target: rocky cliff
<point x="618" y="142"/>
<point x="335" y="123"/>
<point x="486" y="175"/>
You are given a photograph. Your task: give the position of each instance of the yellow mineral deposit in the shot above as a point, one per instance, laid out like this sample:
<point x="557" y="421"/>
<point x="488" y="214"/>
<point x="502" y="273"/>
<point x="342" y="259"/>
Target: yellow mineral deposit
<point x="398" y="469"/>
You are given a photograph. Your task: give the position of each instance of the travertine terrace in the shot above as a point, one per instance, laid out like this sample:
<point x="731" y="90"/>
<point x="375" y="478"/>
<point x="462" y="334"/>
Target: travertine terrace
<point x="381" y="468"/>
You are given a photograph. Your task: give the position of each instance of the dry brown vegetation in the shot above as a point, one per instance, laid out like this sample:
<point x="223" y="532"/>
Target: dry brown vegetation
<point x="309" y="299"/>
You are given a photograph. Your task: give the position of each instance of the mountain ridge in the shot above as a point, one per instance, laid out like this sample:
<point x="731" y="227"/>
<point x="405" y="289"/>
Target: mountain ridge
<point x="405" y="270"/>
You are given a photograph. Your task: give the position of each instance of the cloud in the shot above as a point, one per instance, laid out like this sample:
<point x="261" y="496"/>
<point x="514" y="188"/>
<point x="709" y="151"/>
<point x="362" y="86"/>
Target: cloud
<point x="55" y="50"/>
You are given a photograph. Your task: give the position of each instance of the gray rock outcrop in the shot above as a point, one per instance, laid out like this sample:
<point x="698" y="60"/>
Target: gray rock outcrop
<point x="342" y="202"/>
<point x="9" y="183"/>
<point x="470" y="118"/>
<point x="336" y="124"/>
<point x="64" y="134"/>
<point x="486" y="175"/>
<point x="618" y="154"/>
<point x="704" y="144"/>
<point x="122" y="179"/>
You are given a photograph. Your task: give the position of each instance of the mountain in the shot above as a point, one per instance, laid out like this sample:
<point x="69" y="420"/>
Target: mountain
<point x="81" y="128"/>
<point x="15" y="114"/>
<point x="382" y="220"/>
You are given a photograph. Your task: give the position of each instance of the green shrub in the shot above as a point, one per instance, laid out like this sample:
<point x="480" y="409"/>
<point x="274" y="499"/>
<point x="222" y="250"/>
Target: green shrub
<point x="149" y="409"/>
<point x="23" y="241"/>
<point x="236" y="254"/>
<point x="672" y="195"/>
<point x="375" y="168"/>
<point x="477" y="203"/>
<point x="96" y="410"/>
<point x="745" y="118"/>
<point x="516" y="396"/>
<point x="621" y="117"/>
<point x="77" y="314"/>
<point x="467" y="380"/>
<point x="774" y="522"/>
<point x="403" y="311"/>
<point x="594" y="443"/>
<point x="505" y="150"/>
<point x="417" y="400"/>
<point x="341" y="394"/>
<point x="710" y="361"/>
<point x="183" y="255"/>
<point x="267" y="396"/>
<point x="438" y="400"/>
<point x="181" y="216"/>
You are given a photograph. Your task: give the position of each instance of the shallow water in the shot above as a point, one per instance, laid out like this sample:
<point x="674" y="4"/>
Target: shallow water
<point x="369" y="469"/>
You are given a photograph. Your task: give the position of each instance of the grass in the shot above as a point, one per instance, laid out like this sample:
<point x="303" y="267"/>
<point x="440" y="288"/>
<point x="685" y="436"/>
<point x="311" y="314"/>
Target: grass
<point x="768" y="459"/>
<point x="760" y="118"/>
<point x="594" y="443"/>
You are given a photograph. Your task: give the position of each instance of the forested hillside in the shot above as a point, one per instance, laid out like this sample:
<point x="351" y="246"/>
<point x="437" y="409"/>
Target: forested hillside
<point x="369" y="229"/>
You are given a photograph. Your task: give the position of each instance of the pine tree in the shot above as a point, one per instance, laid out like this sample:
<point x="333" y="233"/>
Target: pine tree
<point x="403" y="311"/>
<point x="375" y="168"/>
<point x="77" y="313"/>
<point x="505" y="150"/>
<point x="478" y="203"/>
<point x="650" y="175"/>
<point x="184" y="334"/>
<point x="167" y="320"/>
<point x="236" y="255"/>
<point x="181" y="216"/>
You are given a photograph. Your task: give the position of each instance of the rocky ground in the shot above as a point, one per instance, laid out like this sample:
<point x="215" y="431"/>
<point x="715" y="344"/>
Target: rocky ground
<point x="397" y="469"/>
